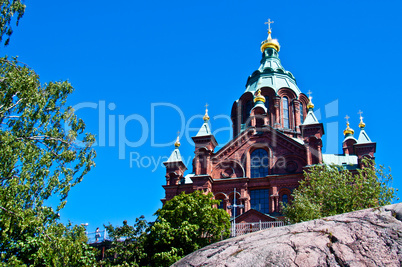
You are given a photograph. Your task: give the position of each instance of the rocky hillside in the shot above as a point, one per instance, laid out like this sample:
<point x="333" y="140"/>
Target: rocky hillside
<point x="371" y="237"/>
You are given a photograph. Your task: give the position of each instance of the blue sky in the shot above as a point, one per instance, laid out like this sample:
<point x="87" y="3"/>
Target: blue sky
<point x="156" y="63"/>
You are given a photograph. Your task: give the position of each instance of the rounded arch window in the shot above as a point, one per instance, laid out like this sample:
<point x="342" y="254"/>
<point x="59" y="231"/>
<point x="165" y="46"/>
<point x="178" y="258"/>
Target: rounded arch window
<point x="259" y="163"/>
<point x="285" y="199"/>
<point x="285" y="106"/>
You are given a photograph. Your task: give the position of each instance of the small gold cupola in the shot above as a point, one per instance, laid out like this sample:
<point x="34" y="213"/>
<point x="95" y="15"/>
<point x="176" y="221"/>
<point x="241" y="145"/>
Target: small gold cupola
<point x="310" y="104"/>
<point x="259" y="97"/>
<point x="206" y="117"/>
<point x="361" y="124"/>
<point x="177" y="143"/>
<point x="348" y="130"/>
<point x="273" y="43"/>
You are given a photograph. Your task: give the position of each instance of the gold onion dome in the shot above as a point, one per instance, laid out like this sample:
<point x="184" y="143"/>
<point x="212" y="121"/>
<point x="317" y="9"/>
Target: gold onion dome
<point x="177" y="143"/>
<point x="206" y="117"/>
<point x="259" y="97"/>
<point x="310" y="104"/>
<point x="348" y="130"/>
<point x="273" y="43"/>
<point x="361" y="124"/>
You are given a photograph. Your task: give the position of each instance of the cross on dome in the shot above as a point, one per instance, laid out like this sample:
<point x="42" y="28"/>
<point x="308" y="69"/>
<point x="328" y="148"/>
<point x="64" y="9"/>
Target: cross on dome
<point x="361" y="124"/>
<point x="269" y="22"/>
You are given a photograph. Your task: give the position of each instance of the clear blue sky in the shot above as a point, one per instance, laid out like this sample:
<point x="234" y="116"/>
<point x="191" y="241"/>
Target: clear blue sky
<point x="127" y="55"/>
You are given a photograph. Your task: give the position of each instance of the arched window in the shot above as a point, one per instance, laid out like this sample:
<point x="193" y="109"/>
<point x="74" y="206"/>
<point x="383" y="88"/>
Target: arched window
<point x="285" y="199"/>
<point x="285" y="106"/>
<point x="301" y="113"/>
<point x="259" y="163"/>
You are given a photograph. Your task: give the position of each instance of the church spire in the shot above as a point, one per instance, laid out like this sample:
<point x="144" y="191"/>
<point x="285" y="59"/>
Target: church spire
<point x="361" y="124"/>
<point x="348" y="131"/>
<point x="363" y="136"/>
<point x="206" y="117"/>
<point x="310" y="104"/>
<point x="205" y="129"/>
<point x="310" y="117"/>
<point x="273" y="43"/>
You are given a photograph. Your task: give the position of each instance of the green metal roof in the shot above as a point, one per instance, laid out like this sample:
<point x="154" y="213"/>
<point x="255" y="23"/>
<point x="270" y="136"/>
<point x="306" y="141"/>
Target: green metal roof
<point x="310" y="118"/>
<point x="204" y="130"/>
<point x="271" y="74"/>
<point x="175" y="156"/>
<point x="363" y="137"/>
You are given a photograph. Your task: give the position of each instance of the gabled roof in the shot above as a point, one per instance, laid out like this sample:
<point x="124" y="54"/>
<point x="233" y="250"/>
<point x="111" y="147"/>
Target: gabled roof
<point x="175" y="156"/>
<point x="363" y="137"/>
<point x="204" y="130"/>
<point x="253" y="215"/>
<point x="310" y="118"/>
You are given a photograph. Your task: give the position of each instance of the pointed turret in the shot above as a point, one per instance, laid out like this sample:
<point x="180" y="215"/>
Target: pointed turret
<point x="310" y="117"/>
<point x="364" y="146"/>
<point x="349" y="140"/>
<point x="205" y="144"/>
<point x="363" y="136"/>
<point x="312" y="131"/>
<point x="175" y="166"/>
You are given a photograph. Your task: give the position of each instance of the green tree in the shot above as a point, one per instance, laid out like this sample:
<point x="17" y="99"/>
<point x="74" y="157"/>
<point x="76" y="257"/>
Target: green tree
<point x="40" y="161"/>
<point x="329" y="190"/>
<point x="7" y="11"/>
<point x="127" y="244"/>
<point x="184" y="224"/>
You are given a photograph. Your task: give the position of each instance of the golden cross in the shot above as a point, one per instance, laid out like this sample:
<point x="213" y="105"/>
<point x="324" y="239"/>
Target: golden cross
<point x="269" y="24"/>
<point x="360" y="113"/>
<point x="206" y="105"/>
<point x="347" y="118"/>
<point x="178" y="133"/>
<point x="309" y="93"/>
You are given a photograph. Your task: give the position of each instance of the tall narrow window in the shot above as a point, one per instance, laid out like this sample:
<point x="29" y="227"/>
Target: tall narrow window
<point x="259" y="200"/>
<point x="220" y="206"/>
<point x="285" y="106"/>
<point x="301" y="113"/>
<point x="246" y="111"/>
<point x="267" y="103"/>
<point x="285" y="199"/>
<point x="259" y="163"/>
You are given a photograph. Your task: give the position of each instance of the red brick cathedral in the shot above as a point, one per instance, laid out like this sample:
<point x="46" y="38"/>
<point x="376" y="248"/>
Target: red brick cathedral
<point x="276" y="136"/>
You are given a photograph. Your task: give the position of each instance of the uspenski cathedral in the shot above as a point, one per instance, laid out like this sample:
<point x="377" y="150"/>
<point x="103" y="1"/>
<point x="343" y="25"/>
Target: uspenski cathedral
<point x="276" y="137"/>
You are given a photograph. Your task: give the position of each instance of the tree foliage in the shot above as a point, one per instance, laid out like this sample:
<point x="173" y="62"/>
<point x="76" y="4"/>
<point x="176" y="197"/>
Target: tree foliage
<point x="330" y="190"/>
<point x="127" y="244"/>
<point x="184" y="224"/>
<point x="8" y="8"/>
<point x="40" y="159"/>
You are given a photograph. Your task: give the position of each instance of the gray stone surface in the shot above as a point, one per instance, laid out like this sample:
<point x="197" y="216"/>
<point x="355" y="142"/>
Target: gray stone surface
<point x="371" y="237"/>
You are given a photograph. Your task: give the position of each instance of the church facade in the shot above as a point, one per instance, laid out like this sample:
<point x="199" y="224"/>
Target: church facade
<point x="276" y="137"/>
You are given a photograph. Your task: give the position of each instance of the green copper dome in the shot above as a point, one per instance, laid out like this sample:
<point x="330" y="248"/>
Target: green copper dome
<point x="271" y="74"/>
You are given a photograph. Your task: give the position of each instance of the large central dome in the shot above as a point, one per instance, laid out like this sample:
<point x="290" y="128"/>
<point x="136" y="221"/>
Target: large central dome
<point x="271" y="74"/>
